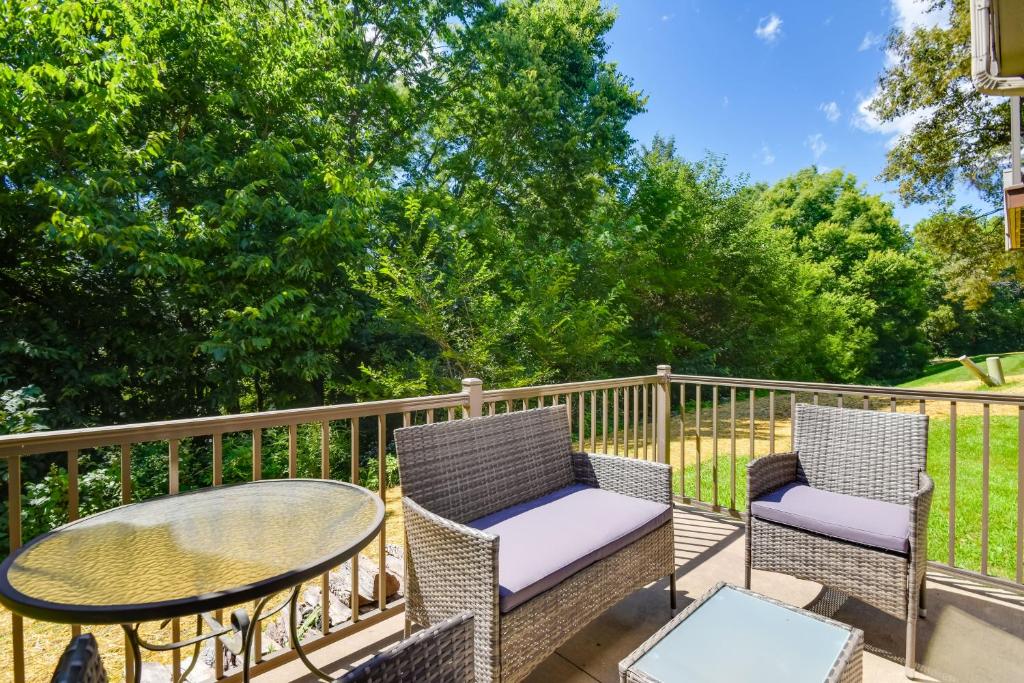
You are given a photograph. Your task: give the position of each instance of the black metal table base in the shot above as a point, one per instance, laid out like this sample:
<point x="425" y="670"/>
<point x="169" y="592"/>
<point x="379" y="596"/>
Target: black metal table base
<point x="237" y="638"/>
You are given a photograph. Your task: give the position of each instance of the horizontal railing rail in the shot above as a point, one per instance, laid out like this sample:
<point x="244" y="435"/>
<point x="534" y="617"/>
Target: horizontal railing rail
<point x="707" y="427"/>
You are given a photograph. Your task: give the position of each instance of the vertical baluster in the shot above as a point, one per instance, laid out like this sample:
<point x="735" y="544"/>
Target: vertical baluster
<point x="354" y="478"/>
<point x="293" y="451"/>
<point x="792" y="420"/>
<point x="714" y="446"/>
<point x="839" y="401"/>
<point x="682" y="440"/>
<point x="257" y="454"/>
<point x="382" y="438"/>
<point x="732" y="448"/>
<point x="593" y="422"/>
<point x="921" y="407"/>
<point x="753" y="424"/>
<point x="892" y="404"/>
<point x="508" y="406"/>
<point x="76" y="630"/>
<point x="636" y="421"/>
<point x="173" y="486"/>
<point x="325" y="580"/>
<point x="14" y="537"/>
<point x="771" y="421"/>
<point x="430" y="416"/>
<point x="626" y="421"/>
<point x="643" y="421"/>
<point x="604" y="421"/>
<point x="952" y="484"/>
<point x="218" y="476"/>
<point x="866" y="403"/>
<point x="451" y="414"/>
<point x="696" y="425"/>
<point x="579" y="420"/>
<point x="984" y="486"/>
<point x="491" y="409"/>
<point x="815" y="398"/>
<point x="615" y="420"/>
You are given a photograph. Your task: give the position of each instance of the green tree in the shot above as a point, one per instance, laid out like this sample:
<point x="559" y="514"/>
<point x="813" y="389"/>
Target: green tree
<point x="959" y="135"/>
<point x="869" y="287"/>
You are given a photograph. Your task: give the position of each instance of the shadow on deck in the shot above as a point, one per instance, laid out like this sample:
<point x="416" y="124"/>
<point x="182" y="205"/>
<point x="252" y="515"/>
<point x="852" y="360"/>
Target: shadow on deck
<point x="974" y="630"/>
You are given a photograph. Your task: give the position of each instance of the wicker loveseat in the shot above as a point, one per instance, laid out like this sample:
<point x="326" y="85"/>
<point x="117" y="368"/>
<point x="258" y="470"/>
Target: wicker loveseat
<point x="848" y="509"/>
<point x="504" y="521"/>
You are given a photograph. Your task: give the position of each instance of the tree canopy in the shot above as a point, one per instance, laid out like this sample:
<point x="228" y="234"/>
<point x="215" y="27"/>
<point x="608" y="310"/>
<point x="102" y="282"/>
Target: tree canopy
<point x="234" y="205"/>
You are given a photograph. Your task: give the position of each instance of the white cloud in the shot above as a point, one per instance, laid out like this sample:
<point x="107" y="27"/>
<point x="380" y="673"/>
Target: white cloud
<point x="910" y="14"/>
<point x="666" y="17"/>
<point x="831" y="110"/>
<point x="769" y="28"/>
<point x="725" y="101"/>
<point x="869" y="42"/>
<point x="868" y="121"/>
<point x="817" y="144"/>
<point x="767" y="158"/>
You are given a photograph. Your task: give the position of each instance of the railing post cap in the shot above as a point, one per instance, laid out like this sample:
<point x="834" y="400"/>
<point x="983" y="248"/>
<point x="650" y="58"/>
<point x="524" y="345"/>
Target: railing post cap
<point x="664" y="369"/>
<point x="472" y="382"/>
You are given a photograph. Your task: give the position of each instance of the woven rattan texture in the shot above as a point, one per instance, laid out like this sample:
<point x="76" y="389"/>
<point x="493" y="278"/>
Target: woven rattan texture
<point x="452" y="568"/>
<point x="876" y="577"/>
<point x="466" y="469"/>
<point x="636" y="478"/>
<point x="81" y="662"/>
<point x="532" y="632"/>
<point x="439" y="654"/>
<point x="866" y="453"/>
<point x="857" y="452"/>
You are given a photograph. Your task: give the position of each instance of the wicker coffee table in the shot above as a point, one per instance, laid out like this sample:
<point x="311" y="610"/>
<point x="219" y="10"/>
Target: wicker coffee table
<point x="736" y="635"/>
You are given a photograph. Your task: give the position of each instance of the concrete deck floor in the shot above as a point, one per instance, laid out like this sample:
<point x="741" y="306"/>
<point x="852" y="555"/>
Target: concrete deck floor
<point x="974" y="630"/>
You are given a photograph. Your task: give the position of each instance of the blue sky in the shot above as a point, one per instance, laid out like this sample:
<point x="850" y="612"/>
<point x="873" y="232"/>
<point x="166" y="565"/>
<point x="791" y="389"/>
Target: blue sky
<point x="774" y="86"/>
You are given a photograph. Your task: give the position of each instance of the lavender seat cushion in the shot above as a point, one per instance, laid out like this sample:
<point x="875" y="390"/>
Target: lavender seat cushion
<point x="544" y="541"/>
<point x="859" y="520"/>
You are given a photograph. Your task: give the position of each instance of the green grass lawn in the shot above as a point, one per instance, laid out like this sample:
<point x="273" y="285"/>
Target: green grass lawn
<point x="1002" y="491"/>
<point x="953" y="371"/>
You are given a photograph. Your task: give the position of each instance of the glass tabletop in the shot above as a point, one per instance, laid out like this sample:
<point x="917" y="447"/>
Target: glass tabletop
<point x="190" y="553"/>
<point x="736" y="636"/>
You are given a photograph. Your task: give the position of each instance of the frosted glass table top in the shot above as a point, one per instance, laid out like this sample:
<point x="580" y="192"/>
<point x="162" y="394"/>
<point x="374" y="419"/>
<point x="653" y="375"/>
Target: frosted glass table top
<point x="189" y="553"/>
<point x="736" y="636"/>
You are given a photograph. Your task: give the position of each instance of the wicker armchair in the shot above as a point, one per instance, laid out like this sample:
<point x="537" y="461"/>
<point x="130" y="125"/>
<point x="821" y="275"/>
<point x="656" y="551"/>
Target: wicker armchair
<point x="439" y="654"/>
<point x="848" y="509"/>
<point x="474" y="487"/>
<point x="80" y="662"/>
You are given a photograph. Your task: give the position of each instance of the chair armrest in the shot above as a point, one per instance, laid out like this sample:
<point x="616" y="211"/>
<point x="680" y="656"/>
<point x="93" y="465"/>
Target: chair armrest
<point x="451" y="568"/>
<point x="920" y="506"/>
<point x="636" y="478"/>
<point x="769" y="473"/>
<point x="439" y="654"/>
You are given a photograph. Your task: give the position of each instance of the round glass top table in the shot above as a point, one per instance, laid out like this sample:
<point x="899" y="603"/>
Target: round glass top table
<point x="191" y="554"/>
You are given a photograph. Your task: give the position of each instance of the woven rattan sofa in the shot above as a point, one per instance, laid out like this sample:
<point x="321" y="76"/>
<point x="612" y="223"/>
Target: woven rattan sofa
<point x="504" y="521"/>
<point x="440" y="654"/>
<point x="847" y="509"/>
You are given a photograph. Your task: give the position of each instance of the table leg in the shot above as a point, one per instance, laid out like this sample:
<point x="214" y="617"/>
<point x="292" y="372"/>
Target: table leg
<point x="249" y="629"/>
<point x="293" y="628"/>
<point x="133" y="639"/>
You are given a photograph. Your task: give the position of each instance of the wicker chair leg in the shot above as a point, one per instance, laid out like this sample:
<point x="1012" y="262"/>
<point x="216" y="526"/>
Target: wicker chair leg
<point x="408" y="628"/>
<point x="672" y="591"/>
<point x="910" y="667"/>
